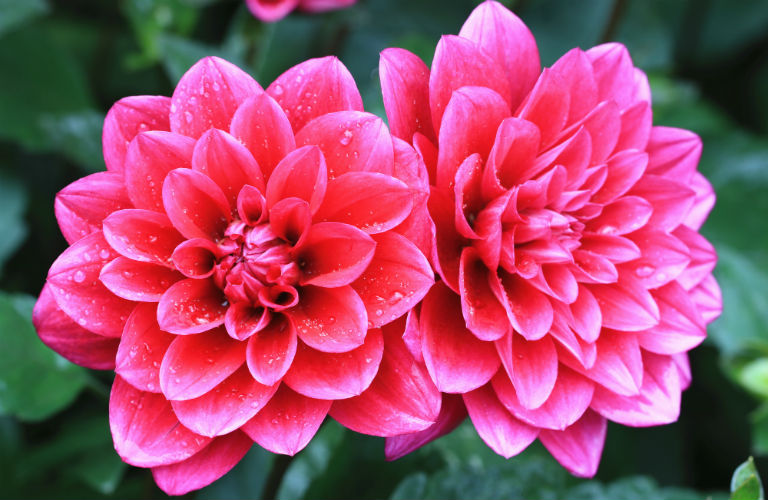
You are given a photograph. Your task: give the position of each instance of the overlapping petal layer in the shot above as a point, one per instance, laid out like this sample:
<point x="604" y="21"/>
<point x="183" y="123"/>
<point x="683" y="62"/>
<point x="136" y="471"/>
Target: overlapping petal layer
<point x="573" y="275"/>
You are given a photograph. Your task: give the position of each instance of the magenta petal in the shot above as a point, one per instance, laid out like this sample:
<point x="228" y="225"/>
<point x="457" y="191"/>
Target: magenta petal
<point x="703" y="257"/>
<point x="624" y="170"/>
<point x="137" y="281"/>
<point x="291" y="220"/>
<point x="575" y="69"/>
<point x="531" y="367"/>
<point x="460" y="62"/>
<point x="702" y="204"/>
<point x="227" y="162"/>
<point x="82" y="206"/>
<point x="619" y="364"/>
<point x="204" y="467"/>
<point x="301" y="174"/>
<point x="636" y="126"/>
<point x="208" y="95"/>
<point x="142" y="348"/>
<point x="502" y="35"/>
<point x="270" y="353"/>
<point x="125" y="119"/>
<point x="330" y="319"/>
<point x="288" y="422"/>
<point x="332" y="376"/>
<point x="452" y="413"/>
<point x="457" y="361"/>
<point x="568" y="401"/>
<point x="196" y="258"/>
<point x="671" y="199"/>
<point x="74" y="281"/>
<point x="486" y="318"/>
<point x="195" y="204"/>
<point x="578" y="448"/>
<point x="226" y="407"/>
<point x="505" y="434"/>
<point x="511" y="160"/>
<point x="270" y="11"/>
<point x="708" y="299"/>
<point x="142" y="235"/>
<point x="351" y="141"/>
<point x="405" y="89"/>
<point x="386" y="299"/>
<point x="243" y="320"/>
<point x="314" y="88"/>
<point x="614" y="73"/>
<point x="334" y="254"/>
<point x="664" y="258"/>
<point x="587" y="318"/>
<point x="195" y="364"/>
<point x="191" y="306"/>
<point x="529" y="310"/>
<point x="673" y="152"/>
<point x="547" y="106"/>
<point x="468" y="126"/>
<point x="261" y="125"/>
<point x="145" y="431"/>
<point x="59" y="332"/>
<point x="150" y="156"/>
<point x="448" y="242"/>
<point x="626" y="305"/>
<point x="467" y="194"/>
<point x="372" y="202"/>
<point x="658" y="402"/>
<point x="622" y="216"/>
<point x="251" y="205"/>
<point x="402" y="398"/>
<point x="681" y="327"/>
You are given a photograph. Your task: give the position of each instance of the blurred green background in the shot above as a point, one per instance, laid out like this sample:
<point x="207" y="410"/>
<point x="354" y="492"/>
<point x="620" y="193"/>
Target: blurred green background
<point x="64" y="62"/>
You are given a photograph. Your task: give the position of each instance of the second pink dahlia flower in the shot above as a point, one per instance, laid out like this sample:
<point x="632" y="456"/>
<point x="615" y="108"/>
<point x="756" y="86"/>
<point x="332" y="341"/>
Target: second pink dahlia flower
<point x="240" y="265"/>
<point x="573" y="276"/>
<point x="274" y="10"/>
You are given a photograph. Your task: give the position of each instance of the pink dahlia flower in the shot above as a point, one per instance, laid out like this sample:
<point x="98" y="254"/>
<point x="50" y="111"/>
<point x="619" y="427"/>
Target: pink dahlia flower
<point x="240" y="265"/>
<point x="573" y="276"/>
<point x="273" y="10"/>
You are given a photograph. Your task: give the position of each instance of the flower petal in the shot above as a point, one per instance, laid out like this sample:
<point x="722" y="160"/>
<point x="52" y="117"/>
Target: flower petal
<point x="502" y="35"/>
<point x="142" y="235"/>
<point x="314" y="88"/>
<point x="569" y="400"/>
<point x="270" y="11"/>
<point x="243" y="320"/>
<point x="208" y="95"/>
<point x="323" y="375"/>
<point x="511" y="160"/>
<point x="457" y="361"/>
<point x="619" y="364"/>
<point x="402" y="398"/>
<point x="469" y="125"/>
<point x="125" y="119"/>
<point x="405" y="89"/>
<point x="626" y="305"/>
<point x="145" y="431"/>
<point x="673" y="152"/>
<point x="396" y="279"/>
<point x="334" y="254"/>
<point x="74" y="281"/>
<point x="681" y="327"/>
<point x="614" y="73"/>
<point x="226" y="407"/>
<point x="672" y="200"/>
<point x="578" y="448"/>
<point x="351" y="141"/>
<point x="529" y="310"/>
<point x="459" y="62"/>
<point x="82" y="206"/>
<point x="270" y="353"/>
<point x="531" y="366"/>
<point x="59" y="332"/>
<point x="485" y="317"/>
<point x="547" y="106"/>
<point x="448" y="242"/>
<point x="575" y="69"/>
<point x="301" y="174"/>
<point x="330" y="319"/>
<point x="195" y="364"/>
<point x="142" y="348"/>
<point x="191" y="306"/>
<point x="195" y="204"/>
<point x="204" y="467"/>
<point x="372" y="202"/>
<point x="502" y="432"/>
<point x="227" y="162"/>
<point x="452" y="413"/>
<point x="196" y="258"/>
<point x="150" y="156"/>
<point x="261" y="125"/>
<point x="137" y="281"/>
<point x="288" y="422"/>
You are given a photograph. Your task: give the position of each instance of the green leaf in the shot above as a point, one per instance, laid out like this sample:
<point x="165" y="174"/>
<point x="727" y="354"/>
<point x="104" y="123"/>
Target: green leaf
<point x="40" y="80"/>
<point x="745" y="483"/>
<point x="179" y="54"/>
<point x="151" y="19"/>
<point x="754" y="376"/>
<point x="14" y="13"/>
<point x="78" y="137"/>
<point x="35" y="382"/>
<point x="311" y="463"/>
<point x="13" y="204"/>
<point x="759" y="420"/>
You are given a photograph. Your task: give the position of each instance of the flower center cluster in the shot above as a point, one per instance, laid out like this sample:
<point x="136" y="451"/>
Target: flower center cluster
<point x="256" y="267"/>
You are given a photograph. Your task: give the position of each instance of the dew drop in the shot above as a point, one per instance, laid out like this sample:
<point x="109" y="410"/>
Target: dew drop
<point x="278" y="90"/>
<point x="644" y="271"/>
<point x="79" y="276"/>
<point x="188" y="116"/>
<point x="346" y="138"/>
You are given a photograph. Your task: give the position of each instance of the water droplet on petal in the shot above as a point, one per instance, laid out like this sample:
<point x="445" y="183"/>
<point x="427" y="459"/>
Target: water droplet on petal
<point x="79" y="276"/>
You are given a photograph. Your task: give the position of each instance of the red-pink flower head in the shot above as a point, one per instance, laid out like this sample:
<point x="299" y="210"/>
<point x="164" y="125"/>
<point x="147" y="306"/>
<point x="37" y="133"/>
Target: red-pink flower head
<point x="574" y="278"/>
<point x="274" y="10"/>
<point x="240" y="265"/>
